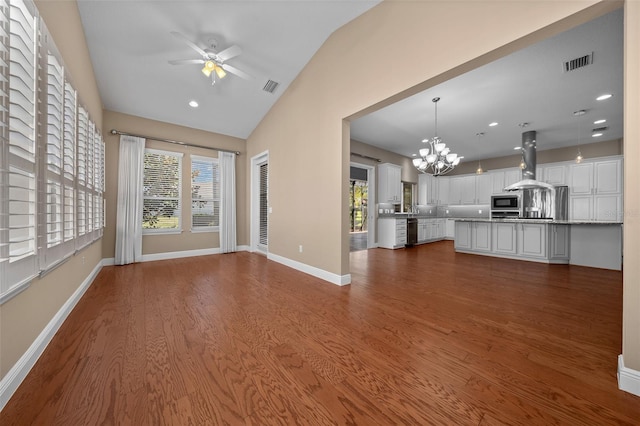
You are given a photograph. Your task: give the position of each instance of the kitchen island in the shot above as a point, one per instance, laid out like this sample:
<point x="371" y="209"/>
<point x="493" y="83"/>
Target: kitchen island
<point x="596" y="244"/>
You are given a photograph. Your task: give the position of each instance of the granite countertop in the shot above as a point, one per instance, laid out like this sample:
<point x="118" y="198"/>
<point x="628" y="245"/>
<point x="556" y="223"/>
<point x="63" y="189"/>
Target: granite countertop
<point x="554" y="222"/>
<point x="407" y="215"/>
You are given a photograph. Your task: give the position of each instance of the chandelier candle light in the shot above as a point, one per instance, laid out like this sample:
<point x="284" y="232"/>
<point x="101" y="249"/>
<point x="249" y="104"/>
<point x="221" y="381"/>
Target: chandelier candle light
<point x="436" y="159"/>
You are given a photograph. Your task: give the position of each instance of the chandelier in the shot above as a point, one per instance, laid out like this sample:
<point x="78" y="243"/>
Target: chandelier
<point x="436" y="159"/>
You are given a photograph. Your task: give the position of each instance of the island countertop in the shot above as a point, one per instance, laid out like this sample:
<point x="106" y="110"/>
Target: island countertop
<point x="548" y="221"/>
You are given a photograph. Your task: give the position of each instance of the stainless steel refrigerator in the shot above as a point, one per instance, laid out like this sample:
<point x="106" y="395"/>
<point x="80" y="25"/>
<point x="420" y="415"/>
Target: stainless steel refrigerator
<point x="543" y="203"/>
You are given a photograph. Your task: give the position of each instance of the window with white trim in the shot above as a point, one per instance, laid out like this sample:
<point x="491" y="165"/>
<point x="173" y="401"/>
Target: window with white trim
<point x="161" y="205"/>
<point x="205" y="194"/>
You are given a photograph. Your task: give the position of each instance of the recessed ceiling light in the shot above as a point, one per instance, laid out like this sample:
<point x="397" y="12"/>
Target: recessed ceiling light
<point x="603" y="97"/>
<point x="596" y="135"/>
<point x="579" y="112"/>
<point x="525" y="124"/>
<point x="517" y="148"/>
<point x="193" y="104"/>
<point x="495" y="123"/>
<point x="413" y="155"/>
<point x="600" y="121"/>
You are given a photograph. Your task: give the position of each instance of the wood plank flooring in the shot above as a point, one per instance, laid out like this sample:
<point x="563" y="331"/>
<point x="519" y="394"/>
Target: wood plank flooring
<point x="422" y="336"/>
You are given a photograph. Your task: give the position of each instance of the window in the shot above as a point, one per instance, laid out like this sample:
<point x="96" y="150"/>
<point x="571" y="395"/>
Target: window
<point x="161" y="191"/>
<point x="51" y="155"/>
<point x="264" y="205"/>
<point x="205" y="194"/>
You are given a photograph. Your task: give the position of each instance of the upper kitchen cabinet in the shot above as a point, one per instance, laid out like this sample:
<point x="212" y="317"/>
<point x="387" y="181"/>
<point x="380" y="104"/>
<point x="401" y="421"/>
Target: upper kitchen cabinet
<point x="502" y="178"/>
<point x="555" y="174"/>
<point x="596" y="190"/>
<point x="443" y="190"/>
<point x="389" y="183"/>
<point x="483" y="188"/>
<point x="596" y="177"/>
<point x="427" y="189"/>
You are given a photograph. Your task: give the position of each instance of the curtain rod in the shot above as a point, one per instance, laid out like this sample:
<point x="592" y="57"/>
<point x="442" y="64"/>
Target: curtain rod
<point x="118" y="132"/>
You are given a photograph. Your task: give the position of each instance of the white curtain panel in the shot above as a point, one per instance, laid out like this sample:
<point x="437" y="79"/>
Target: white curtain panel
<point x="227" y="161"/>
<point x="129" y="208"/>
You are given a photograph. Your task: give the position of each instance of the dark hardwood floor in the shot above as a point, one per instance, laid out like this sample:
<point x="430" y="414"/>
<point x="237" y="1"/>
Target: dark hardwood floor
<point x="422" y="336"/>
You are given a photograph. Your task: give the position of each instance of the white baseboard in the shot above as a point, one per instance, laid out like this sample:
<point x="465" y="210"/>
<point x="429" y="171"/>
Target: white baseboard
<point x="312" y="270"/>
<point x="21" y="368"/>
<point x="628" y="379"/>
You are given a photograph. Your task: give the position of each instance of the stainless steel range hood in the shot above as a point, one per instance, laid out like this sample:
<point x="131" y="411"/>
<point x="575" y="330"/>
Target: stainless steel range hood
<point x="529" y="172"/>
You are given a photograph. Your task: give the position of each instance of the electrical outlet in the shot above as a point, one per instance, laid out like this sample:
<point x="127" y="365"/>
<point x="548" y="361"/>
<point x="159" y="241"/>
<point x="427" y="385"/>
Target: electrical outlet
<point x="479" y="211"/>
<point x="300" y="248"/>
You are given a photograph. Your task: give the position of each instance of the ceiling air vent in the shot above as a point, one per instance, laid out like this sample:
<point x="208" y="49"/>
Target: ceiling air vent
<point x="574" y="64"/>
<point x="270" y="86"/>
<point x="600" y="129"/>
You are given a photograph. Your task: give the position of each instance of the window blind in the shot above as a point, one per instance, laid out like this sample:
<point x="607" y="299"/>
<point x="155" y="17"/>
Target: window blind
<point x="69" y="160"/>
<point x="81" y="170"/>
<point x="264" y="204"/>
<point x="55" y="96"/>
<point x="4" y="147"/>
<point x="161" y="191"/>
<point x="205" y="193"/>
<point x="22" y="143"/>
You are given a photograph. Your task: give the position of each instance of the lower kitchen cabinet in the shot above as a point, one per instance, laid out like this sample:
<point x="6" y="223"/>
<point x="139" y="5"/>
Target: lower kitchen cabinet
<point x="542" y="242"/>
<point x="462" y="239"/>
<point x="392" y="233"/>
<point x="481" y="236"/>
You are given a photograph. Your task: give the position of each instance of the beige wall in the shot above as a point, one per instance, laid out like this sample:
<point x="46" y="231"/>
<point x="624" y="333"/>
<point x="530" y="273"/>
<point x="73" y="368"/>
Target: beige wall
<point x="24" y="317"/>
<point x="152" y="244"/>
<point x="631" y="277"/>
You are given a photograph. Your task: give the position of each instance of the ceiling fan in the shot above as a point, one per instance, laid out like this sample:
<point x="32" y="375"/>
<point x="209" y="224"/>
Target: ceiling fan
<point x="214" y="63"/>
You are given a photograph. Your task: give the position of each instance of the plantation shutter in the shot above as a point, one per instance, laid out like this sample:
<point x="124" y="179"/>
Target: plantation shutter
<point x="4" y="148"/>
<point x="264" y="203"/>
<point x="22" y="144"/>
<point x="55" y="96"/>
<point x="69" y="161"/>
<point x="161" y="191"/>
<point x="81" y="152"/>
<point x="205" y="193"/>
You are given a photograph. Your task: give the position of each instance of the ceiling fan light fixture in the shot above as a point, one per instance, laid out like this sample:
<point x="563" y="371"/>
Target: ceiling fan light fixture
<point x="220" y="72"/>
<point x="208" y="68"/>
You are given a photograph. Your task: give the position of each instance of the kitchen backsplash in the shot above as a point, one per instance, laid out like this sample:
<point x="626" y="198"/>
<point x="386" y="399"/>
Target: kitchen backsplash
<point x="467" y="211"/>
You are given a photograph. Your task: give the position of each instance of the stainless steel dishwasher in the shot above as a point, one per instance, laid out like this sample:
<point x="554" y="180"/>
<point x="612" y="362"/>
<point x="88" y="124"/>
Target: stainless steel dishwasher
<point x="412" y="231"/>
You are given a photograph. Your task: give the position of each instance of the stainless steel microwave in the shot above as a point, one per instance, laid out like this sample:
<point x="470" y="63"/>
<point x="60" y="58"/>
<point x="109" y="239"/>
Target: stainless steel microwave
<point x="506" y="202"/>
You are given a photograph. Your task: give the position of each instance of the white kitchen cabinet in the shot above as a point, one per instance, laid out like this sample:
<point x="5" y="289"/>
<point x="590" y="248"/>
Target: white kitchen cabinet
<point x="443" y="190"/>
<point x="455" y="190"/>
<point x="389" y="183"/>
<point x="481" y="236"/>
<point x="555" y="174"/>
<point x="512" y="176"/>
<point x="560" y="241"/>
<point x="392" y="232"/>
<point x="450" y="229"/>
<point x="607" y="207"/>
<point x="468" y="189"/>
<point x="608" y="177"/>
<point x="596" y="190"/>
<point x="533" y="240"/>
<point x="483" y="188"/>
<point x="442" y="228"/>
<point x="427" y="189"/>
<point x="422" y="230"/>
<point x="504" y="238"/>
<point x="497" y="182"/>
<point x="581" y="181"/>
<point x="462" y="240"/>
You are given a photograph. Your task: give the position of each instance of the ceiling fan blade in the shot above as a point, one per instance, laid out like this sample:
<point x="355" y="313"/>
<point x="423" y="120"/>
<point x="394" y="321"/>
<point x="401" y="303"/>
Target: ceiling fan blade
<point x="229" y="53"/>
<point x="187" y="61"/>
<point x="236" y="71"/>
<point x="189" y="43"/>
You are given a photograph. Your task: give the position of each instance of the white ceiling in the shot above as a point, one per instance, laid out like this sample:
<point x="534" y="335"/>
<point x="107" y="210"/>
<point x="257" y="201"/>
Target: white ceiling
<point x="527" y="86"/>
<point x="130" y="43"/>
